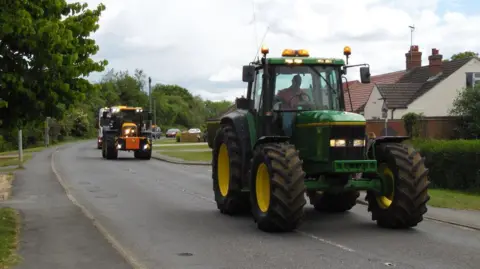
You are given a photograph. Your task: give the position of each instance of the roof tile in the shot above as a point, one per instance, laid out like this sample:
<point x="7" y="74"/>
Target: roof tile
<point x="361" y="92"/>
<point x="398" y="94"/>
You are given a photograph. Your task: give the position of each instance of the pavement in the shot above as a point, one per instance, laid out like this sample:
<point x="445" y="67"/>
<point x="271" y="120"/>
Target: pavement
<point x="163" y="215"/>
<point x="55" y="233"/>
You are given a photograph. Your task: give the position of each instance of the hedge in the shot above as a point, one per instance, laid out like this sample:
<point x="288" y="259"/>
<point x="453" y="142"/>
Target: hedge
<point x="452" y="164"/>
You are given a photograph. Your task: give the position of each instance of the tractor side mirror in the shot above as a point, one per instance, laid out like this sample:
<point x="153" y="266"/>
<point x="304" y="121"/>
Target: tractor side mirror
<point x="248" y="74"/>
<point x="365" y="74"/>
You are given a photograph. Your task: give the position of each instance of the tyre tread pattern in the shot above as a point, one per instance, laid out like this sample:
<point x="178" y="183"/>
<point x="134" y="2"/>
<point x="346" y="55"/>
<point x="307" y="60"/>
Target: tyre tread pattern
<point x="287" y="188"/>
<point x="411" y="188"/>
<point x="236" y="202"/>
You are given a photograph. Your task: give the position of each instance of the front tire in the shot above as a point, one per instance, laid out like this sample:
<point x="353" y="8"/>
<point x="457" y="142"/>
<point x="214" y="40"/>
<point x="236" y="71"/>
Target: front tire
<point x="111" y="152"/>
<point x="277" y="188"/>
<point x="406" y="205"/>
<point x="227" y="173"/>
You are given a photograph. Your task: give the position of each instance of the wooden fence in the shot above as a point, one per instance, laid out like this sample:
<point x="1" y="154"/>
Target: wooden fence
<point x="432" y="127"/>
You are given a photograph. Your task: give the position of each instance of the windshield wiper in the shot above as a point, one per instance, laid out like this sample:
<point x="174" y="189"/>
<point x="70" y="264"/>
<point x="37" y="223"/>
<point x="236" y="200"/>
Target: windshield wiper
<point x="324" y="79"/>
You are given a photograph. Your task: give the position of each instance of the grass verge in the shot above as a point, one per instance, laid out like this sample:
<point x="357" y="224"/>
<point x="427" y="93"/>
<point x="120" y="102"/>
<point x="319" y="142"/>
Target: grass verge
<point x="164" y="141"/>
<point x="14" y="160"/>
<point x="199" y="156"/>
<point x="454" y="199"/>
<point x="182" y="147"/>
<point x="9" y="231"/>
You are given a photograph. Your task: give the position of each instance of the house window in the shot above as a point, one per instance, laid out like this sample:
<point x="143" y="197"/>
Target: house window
<point x="472" y="79"/>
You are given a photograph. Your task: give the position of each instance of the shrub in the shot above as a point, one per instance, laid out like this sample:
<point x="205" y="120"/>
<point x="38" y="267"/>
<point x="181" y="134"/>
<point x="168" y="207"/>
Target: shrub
<point x="453" y="164"/>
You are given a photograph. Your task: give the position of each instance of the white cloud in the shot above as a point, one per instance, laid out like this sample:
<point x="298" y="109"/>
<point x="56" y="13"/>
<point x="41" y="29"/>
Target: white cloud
<point x="210" y="40"/>
<point x="228" y="73"/>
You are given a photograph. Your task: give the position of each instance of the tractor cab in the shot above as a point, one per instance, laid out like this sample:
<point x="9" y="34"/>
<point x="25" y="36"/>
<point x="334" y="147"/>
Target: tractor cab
<point x="298" y="96"/>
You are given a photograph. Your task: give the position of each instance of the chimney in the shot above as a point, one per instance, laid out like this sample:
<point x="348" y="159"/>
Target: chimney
<point x="435" y="62"/>
<point x="413" y="58"/>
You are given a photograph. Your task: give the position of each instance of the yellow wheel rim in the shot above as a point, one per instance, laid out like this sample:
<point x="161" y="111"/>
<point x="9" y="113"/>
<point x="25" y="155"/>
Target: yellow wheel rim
<point x="262" y="188"/>
<point x="223" y="170"/>
<point x="386" y="201"/>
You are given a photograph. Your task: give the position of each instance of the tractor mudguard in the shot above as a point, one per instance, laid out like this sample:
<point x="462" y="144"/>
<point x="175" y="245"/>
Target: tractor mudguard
<point x="271" y="139"/>
<point x="238" y="119"/>
<point x="382" y="139"/>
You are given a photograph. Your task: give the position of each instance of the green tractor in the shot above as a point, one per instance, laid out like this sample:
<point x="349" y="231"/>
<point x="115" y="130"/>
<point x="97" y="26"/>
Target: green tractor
<point x="291" y="136"/>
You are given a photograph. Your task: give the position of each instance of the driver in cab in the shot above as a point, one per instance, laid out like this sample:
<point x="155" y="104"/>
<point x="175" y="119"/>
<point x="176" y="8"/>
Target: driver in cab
<point x="292" y="95"/>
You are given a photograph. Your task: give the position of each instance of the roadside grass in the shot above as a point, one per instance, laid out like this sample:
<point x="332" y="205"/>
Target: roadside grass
<point x="14" y="160"/>
<point x="9" y="233"/>
<point x="202" y="156"/>
<point x="164" y="141"/>
<point x="454" y="199"/>
<point x="182" y="147"/>
<point x="29" y="150"/>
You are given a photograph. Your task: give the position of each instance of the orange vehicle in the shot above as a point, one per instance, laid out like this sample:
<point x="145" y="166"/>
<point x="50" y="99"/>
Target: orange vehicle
<point x="126" y="129"/>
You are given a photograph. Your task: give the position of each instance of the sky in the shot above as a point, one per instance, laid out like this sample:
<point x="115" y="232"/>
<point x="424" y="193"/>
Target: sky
<point x="202" y="44"/>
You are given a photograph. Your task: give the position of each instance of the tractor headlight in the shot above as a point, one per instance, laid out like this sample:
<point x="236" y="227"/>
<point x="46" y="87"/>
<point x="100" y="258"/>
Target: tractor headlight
<point x="359" y="143"/>
<point x="338" y="143"/>
<point x="127" y="131"/>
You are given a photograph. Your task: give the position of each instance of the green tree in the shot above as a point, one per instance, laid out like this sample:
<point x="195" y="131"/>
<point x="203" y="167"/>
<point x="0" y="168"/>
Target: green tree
<point x="46" y="50"/>
<point x="121" y="88"/>
<point x="467" y="106"/>
<point x="214" y="109"/>
<point x="462" y="55"/>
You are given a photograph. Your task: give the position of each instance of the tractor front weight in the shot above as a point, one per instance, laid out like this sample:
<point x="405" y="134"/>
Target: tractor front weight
<point x="367" y="182"/>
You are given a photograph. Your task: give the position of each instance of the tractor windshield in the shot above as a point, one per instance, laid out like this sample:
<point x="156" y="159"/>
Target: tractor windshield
<point x="307" y="87"/>
<point x="130" y="115"/>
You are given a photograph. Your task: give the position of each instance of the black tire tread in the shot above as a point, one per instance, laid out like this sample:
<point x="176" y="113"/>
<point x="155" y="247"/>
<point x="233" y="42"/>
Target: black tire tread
<point x="287" y="186"/>
<point x="112" y="152"/>
<point x="411" y="188"/>
<point x="236" y="202"/>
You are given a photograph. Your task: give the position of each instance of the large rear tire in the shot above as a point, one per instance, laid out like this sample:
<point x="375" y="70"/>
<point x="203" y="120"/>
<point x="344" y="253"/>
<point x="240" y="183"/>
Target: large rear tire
<point x="227" y="173"/>
<point x="406" y="205"/>
<point x="334" y="202"/>
<point x="111" y="149"/>
<point x="277" y="188"/>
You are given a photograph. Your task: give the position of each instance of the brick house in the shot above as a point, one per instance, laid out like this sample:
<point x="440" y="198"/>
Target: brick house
<point x="426" y="89"/>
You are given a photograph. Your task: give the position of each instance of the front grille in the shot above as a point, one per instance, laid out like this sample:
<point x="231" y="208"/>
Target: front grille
<point x="348" y="133"/>
<point x="347" y="153"/>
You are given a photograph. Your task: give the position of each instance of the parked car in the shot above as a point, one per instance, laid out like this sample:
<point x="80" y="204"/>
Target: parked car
<point x="195" y="131"/>
<point x="172" y="132"/>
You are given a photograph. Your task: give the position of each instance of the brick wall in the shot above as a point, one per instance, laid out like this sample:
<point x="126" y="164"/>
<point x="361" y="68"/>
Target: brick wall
<point x="434" y="127"/>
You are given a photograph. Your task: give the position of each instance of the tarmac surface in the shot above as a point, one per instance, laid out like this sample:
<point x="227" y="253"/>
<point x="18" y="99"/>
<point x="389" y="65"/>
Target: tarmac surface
<point x="164" y="216"/>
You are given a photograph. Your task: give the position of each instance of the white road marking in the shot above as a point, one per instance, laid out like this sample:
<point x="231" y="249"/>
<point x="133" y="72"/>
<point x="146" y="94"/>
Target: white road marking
<point x="325" y="241"/>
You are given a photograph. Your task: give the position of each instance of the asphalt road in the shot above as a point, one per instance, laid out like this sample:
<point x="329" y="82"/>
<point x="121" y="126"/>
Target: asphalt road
<point x="164" y="214"/>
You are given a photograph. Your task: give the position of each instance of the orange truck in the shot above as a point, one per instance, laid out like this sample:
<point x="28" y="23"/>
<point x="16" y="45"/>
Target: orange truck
<point x="126" y="128"/>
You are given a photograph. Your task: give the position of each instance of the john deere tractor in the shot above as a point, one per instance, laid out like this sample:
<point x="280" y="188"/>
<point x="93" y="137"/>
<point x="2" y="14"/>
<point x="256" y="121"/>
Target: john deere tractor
<point x="291" y="136"/>
<point x="125" y="128"/>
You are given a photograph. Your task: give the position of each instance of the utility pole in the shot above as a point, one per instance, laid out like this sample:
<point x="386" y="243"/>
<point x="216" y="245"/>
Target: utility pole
<point x="154" y="112"/>
<point x="150" y="93"/>
<point x="20" y="149"/>
<point x="385" y="114"/>
<point x="47" y="135"/>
